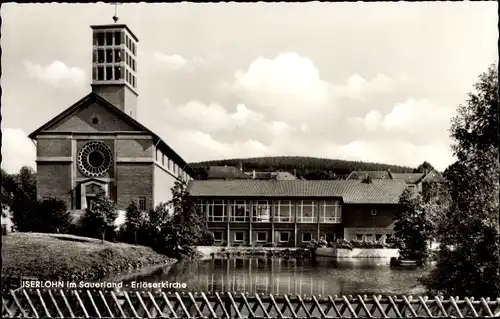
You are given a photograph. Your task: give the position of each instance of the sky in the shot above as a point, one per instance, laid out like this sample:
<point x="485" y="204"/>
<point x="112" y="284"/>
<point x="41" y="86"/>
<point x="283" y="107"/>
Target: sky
<point x="373" y="82"/>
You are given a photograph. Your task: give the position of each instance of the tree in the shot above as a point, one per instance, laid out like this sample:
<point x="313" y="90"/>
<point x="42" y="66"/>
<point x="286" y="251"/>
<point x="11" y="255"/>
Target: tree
<point x="186" y="227"/>
<point x="476" y="127"/>
<point x="100" y="217"/>
<point x="55" y="216"/>
<point x="424" y="167"/>
<point x="8" y="188"/>
<point x="135" y="220"/>
<point x="469" y="232"/>
<point x="22" y="199"/>
<point x="468" y="259"/>
<point x="412" y="226"/>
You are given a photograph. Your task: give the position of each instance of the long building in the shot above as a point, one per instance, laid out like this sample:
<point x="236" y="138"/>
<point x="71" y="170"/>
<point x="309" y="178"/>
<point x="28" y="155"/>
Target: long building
<point x="294" y="212"/>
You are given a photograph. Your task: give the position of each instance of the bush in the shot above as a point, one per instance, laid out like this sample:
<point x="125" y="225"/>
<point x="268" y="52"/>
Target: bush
<point x="55" y="216"/>
<point x="99" y="220"/>
<point x="342" y="244"/>
<point x="207" y="239"/>
<point x="394" y="242"/>
<point x="314" y="244"/>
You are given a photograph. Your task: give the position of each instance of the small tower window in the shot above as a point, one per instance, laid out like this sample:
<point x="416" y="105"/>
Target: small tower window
<point x="109" y="38"/>
<point x="118" y="73"/>
<point x="126" y="41"/>
<point x="118" y="55"/>
<point x="133" y="81"/>
<point x="142" y="203"/>
<point x="109" y="56"/>
<point x="118" y="38"/>
<point x="127" y="76"/>
<point x="109" y="73"/>
<point x="95" y="120"/>
<point x="100" y="73"/>
<point x="100" y="56"/>
<point x="133" y="48"/>
<point x="133" y="65"/>
<point x="100" y="38"/>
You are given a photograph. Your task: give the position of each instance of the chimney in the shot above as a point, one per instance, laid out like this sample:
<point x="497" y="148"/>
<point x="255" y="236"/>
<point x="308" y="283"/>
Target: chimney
<point x="253" y="174"/>
<point x="367" y="179"/>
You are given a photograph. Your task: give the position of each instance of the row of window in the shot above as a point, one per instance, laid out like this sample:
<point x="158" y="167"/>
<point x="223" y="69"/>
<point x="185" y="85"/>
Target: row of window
<point x="110" y="73"/>
<point x="262" y="237"/>
<point x="114" y="38"/>
<point x="282" y="211"/>
<point x="114" y="56"/>
<point x="171" y="166"/>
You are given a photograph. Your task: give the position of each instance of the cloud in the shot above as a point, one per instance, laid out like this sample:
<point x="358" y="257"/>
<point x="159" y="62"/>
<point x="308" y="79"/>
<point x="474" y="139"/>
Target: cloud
<point x="289" y="88"/>
<point x="214" y="117"/>
<point x="415" y="116"/>
<point x="281" y="106"/>
<point x="358" y="88"/>
<point x="17" y="150"/>
<point x="283" y="88"/>
<point x="174" y="61"/>
<point x="56" y="74"/>
<point x="287" y="75"/>
<point x="195" y="145"/>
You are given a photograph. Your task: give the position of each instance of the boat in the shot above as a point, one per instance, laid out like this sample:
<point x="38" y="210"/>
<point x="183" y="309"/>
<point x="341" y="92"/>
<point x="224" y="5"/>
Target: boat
<point x="395" y="262"/>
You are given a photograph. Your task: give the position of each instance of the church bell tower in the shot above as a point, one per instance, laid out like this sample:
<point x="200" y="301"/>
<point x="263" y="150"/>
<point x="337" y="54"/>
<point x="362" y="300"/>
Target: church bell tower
<point x="114" y="65"/>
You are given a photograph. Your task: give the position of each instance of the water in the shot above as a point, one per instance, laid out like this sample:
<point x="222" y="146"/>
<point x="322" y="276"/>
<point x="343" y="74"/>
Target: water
<point x="323" y="276"/>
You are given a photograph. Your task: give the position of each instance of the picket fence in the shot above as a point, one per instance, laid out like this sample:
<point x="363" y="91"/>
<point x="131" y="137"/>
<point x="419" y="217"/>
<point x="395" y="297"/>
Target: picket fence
<point x="72" y="303"/>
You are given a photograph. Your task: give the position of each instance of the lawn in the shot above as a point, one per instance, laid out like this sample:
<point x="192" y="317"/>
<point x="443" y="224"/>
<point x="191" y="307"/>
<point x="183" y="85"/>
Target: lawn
<point x="68" y="257"/>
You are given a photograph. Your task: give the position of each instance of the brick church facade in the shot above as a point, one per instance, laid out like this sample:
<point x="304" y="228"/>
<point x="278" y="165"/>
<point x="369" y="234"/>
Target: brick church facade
<point x="98" y="142"/>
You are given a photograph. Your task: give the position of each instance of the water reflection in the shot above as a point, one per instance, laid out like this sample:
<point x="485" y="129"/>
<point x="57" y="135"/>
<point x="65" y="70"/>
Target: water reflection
<point x="324" y="276"/>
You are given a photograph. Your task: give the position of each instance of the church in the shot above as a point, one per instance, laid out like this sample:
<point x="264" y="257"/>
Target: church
<point x="98" y="141"/>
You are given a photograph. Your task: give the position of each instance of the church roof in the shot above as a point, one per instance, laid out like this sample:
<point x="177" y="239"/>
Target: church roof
<point x="93" y="97"/>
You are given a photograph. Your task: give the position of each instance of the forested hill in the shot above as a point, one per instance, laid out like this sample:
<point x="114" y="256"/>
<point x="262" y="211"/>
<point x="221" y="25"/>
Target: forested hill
<point x="302" y="166"/>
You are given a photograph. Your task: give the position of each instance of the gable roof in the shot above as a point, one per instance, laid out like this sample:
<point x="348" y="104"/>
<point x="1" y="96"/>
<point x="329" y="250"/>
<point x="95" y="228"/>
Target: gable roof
<point x="93" y="97"/>
<point x="271" y="175"/>
<point x="409" y="178"/>
<point x="433" y="176"/>
<point x="225" y="172"/>
<point x="372" y="174"/>
<point x="351" y="191"/>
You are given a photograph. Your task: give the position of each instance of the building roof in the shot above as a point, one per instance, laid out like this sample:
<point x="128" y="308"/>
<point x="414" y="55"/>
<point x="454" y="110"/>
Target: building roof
<point x="225" y="172"/>
<point x="271" y="175"/>
<point x="433" y="176"/>
<point x="372" y="174"/>
<point x="351" y="191"/>
<point x="93" y="97"/>
<point x="408" y="177"/>
<point x="114" y="26"/>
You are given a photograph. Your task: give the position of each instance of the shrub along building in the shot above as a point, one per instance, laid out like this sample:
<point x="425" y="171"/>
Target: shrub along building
<point x="98" y="142"/>
<point x="294" y="212"/>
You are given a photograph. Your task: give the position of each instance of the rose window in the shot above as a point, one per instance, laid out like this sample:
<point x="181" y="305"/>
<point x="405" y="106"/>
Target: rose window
<point x="94" y="158"/>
